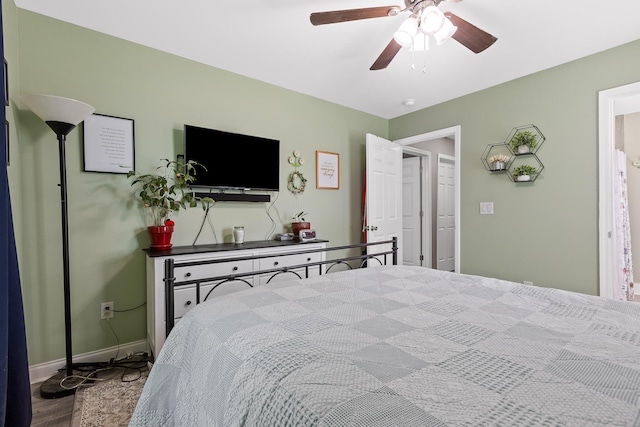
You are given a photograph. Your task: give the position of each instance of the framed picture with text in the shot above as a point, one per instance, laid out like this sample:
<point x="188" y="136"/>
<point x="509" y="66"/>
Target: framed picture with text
<point x="327" y="170"/>
<point x="108" y="144"/>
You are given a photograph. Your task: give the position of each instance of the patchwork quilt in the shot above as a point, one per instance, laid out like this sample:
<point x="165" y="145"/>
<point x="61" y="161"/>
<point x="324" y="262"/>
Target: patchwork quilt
<point x="399" y="346"/>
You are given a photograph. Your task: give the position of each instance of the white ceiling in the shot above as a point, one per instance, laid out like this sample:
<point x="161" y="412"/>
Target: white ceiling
<point x="274" y="41"/>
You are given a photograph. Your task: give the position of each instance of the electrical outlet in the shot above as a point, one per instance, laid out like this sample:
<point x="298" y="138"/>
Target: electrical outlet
<point x="106" y="310"/>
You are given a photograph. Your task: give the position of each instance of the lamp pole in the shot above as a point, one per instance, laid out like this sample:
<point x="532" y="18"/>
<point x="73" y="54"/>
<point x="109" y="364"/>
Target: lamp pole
<point x="61" y="130"/>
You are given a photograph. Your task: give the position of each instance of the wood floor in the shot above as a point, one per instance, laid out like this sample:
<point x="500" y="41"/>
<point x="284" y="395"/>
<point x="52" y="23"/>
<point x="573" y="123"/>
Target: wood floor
<point x="50" y="412"/>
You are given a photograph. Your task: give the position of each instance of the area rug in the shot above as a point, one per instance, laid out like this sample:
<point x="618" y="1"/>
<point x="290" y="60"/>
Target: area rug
<point x="109" y="403"/>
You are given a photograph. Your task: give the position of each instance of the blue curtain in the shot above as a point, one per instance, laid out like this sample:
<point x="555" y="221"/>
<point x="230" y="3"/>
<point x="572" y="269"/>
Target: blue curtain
<point x="15" y="394"/>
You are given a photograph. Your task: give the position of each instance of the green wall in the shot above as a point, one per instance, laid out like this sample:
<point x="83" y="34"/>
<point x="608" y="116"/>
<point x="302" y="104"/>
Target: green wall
<point x="545" y="231"/>
<point x="160" y="92"/>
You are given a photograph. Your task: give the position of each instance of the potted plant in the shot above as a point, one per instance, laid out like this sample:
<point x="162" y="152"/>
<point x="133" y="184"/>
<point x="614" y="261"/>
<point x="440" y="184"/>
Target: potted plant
<point x="523" y="142"/>
<point x="299" y="223"/>
<point x="524" y="172"/>
<point x="498" y="161"/>
<point x="164" y="193"/>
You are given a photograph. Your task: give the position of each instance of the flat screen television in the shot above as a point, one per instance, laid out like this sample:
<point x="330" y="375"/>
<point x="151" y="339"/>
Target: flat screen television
<point x="233" y="161"/>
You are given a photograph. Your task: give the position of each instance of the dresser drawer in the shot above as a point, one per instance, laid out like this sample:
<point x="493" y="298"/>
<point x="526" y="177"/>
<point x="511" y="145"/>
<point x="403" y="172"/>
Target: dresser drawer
<point x="288" y="260"/>
<point x="185" y="297"/>
<point x="196" y="272"/>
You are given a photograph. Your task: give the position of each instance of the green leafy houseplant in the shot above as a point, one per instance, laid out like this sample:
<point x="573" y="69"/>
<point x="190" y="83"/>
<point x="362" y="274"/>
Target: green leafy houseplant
<point x="299" y="217"/>
<point x="524" y="170"/>
<point x="167" y="191"/>
<point x="524" y="137"/>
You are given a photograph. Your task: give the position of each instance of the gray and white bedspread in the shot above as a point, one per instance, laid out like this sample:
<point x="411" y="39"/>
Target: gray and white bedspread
<point x="399" y="346"/>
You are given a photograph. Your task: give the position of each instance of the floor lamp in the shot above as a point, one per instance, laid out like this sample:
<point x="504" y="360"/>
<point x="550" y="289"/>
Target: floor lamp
<point x="62" y="115"/>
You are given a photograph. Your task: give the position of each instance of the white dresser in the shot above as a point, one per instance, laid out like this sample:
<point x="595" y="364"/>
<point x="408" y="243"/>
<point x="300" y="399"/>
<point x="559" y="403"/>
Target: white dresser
<point x="185" y="297"/>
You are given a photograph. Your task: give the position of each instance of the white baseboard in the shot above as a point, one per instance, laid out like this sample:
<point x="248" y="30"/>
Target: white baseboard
<point x="42" y="371"/>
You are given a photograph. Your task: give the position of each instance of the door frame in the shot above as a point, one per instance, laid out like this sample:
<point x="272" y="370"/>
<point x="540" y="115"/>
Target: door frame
<point x="453" y="132"/>
<point x="425" y="182"/>
<point x="608" y="103"/>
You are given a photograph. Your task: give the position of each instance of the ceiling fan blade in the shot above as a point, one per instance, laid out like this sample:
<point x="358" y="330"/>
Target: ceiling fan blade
<point x="386" y="56"/>
<point x="321" y="18"/>
<point x="470" y="36"/>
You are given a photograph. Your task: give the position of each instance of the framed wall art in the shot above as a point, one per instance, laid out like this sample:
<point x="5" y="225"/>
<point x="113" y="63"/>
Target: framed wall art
<point x="108" y="144"/>
<point x="327" y="170"/>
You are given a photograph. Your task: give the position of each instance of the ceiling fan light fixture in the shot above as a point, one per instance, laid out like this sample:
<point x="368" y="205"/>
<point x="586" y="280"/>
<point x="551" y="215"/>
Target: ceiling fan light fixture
<point x="431" y="20"/>
<point x="420" y="42"/>
<point x="407" y="31"/>
<point x="445" y="33"/>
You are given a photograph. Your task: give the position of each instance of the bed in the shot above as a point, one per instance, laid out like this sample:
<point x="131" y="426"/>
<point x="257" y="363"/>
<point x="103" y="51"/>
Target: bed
<point x="399" y="346"/>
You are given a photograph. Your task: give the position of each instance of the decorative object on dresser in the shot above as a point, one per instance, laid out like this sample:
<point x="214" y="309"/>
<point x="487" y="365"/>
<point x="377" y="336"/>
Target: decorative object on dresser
<point x="299" y="223"/>
<point x="238" y="234"/>
<point x="62" y="115"/>
<point x="165" y="192"/>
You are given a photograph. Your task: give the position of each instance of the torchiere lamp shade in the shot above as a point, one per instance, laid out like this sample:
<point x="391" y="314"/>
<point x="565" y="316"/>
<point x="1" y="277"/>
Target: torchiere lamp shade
<point x="57" y="109"/>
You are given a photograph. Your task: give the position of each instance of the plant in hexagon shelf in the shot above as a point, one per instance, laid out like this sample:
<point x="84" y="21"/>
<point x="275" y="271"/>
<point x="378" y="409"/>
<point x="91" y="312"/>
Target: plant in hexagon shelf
<point x="525" y="139"/>
<point x="164" y="193"/>
<point x="498" y="161"/>
<point x="524" y="173"/>
<point x="523" y="142"/>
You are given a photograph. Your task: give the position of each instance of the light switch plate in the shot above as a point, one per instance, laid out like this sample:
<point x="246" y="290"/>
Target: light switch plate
<point x="486" y="208"/>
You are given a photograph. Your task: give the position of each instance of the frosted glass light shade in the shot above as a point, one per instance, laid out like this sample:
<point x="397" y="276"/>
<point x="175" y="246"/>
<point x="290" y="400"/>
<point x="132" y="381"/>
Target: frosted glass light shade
<point x="406" y="32"/>
<point x="57" y="109"/>
<point x="445" y="32"/>
<point x="432" y="20"/>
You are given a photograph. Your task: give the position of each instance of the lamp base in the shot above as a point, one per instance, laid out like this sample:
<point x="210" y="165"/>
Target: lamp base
<point x="52" y="388"/>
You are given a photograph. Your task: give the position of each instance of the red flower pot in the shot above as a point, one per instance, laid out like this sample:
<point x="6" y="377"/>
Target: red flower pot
<point x="160" y="236"/>
<point x="297" y="226"/>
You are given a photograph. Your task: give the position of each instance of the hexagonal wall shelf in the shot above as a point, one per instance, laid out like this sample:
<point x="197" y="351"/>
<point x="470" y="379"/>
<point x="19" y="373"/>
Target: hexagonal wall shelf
<point x="525" y="168"/>
<point x="524" y="140"/>
<point x="496" y="157"/>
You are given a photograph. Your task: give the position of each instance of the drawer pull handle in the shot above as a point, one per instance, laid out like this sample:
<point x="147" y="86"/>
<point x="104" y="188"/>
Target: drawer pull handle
<point x="188" y="303"/>
<point x="188" y="274"/>
<point x="308" y="259"/>
<point x="275" y="263"/>
<point x="235" y="268"/>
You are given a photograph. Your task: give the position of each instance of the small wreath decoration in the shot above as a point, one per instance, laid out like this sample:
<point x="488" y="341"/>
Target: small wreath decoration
<point x="297" y="182"/>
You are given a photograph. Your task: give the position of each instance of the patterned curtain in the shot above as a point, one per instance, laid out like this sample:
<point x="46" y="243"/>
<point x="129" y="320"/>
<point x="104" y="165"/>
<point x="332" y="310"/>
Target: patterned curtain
<point x="623" y="289"/>
<point x="15" y="392"/>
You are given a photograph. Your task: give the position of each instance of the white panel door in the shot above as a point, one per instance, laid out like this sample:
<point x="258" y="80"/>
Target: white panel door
<point x="383" y="202"/>
<point x="446" y="222"/>
<point x="411" y="212"/>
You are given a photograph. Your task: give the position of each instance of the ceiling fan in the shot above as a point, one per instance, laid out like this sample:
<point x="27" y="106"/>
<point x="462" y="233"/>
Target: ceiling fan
<point x="425" y="19"/>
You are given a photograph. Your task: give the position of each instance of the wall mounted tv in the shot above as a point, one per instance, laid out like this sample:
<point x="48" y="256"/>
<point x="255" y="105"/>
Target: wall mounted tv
<point x="233" y="161"/>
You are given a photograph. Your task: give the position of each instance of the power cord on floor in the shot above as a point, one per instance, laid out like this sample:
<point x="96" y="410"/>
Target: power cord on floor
<point x="136" y="363"/>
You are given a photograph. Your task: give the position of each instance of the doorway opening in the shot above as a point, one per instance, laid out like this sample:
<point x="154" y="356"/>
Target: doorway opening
<point x="613" y="102"/>
<point x="440" y="222"/>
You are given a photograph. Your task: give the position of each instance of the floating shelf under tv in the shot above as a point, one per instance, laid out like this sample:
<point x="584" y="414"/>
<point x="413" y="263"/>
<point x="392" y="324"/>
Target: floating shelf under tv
<point x="236" y="197"/>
